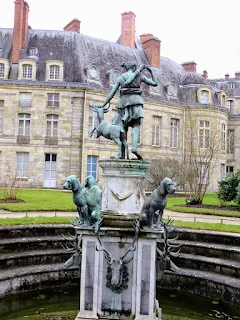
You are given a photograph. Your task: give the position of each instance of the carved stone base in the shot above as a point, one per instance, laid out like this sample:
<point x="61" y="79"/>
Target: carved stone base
<point x="123" y="191"/>
<point x="118" y="274"/>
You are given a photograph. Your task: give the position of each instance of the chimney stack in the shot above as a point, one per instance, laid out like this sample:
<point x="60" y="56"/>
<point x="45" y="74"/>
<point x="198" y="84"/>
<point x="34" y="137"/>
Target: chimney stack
<point x="73" y="25"/>
<point x="20" y="29"/>
<point x="226" y="76"/>
<point x="190" y="66"/>
<point x="237" y="74"/>
<point x="205" y="74"/>
<point x="151" y="46"/>
<point x="128" y="29"/>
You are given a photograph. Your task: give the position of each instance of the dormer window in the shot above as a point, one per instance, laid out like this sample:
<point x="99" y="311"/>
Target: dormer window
<point x="113" y="75"/>
<point x="54" y="70"/>
<point x="172" y="89"/>
<point x="33" y="52"/>
<point x="27" y="69"/>
<point x="93" y="72"/>
<point x="4" y="68"/>
<point x="222" y="99"/>
<point x="54" y="73"/>
<point x="204" y="96"/>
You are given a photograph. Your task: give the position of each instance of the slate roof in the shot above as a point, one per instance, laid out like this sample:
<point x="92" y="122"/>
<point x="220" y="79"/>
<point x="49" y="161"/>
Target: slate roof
<point x="78" y="51"/>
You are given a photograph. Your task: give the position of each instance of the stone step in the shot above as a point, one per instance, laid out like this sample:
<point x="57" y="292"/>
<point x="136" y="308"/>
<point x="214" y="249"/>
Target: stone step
<point x="210" y="249"/>
<point x="34" y="277"/>
<point x="35" y="230"/>
<point x="225" y="238"/>
<point x="35" y="257"/>
<point x="31" y="243"/>
<point x="203" y="283"/>
<point x="203" y="263"/>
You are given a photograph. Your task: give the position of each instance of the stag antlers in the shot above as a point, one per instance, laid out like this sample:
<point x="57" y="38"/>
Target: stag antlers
<point x="108" y="256"/>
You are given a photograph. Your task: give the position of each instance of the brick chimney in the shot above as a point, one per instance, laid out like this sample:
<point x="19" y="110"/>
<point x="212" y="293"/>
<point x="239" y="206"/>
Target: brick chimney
<point x="151" y="46"/>
<point x="128" y="29"/>
<point x="73" y="25"/>
<point x="237" y="74"/>
<point x="20" y="28"/>
<point x="190" y="66"/>
<point x="145" y="37"/>
<point x="205" y="74"/>
<point x="226" y="76"/>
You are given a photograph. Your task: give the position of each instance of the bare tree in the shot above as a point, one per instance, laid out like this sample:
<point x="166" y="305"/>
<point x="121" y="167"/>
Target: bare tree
<point x="10" y="184"/>
<point x="163" y="165"/>
<point x="204" y="145"/>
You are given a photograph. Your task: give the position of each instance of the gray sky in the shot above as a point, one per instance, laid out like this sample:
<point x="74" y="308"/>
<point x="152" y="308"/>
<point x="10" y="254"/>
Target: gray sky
<point x="205" y="31"/>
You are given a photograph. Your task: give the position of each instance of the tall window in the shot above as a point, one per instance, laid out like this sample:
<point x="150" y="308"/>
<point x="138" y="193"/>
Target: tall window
<point x="1" y="70"/>
<point x="204" y="97"/>
<point x="230" y="141"/>
<point x="54" y="72"/>
<point x="27" y="71"/>
<point x="204" y="134"/>
<point x="50" y="170"/>
<point x="174" y="133"/>
<point x="52" y="125"/>
<point x="25" y="99"/>
<point x="223" y="136"/>
<point x="156" y="131"/>
<point x="22" y="164"/>
<point x="229" y="170"/>
<point x="1" y="116"/>
<point x="92" y="122"/>
<point x="24" y="124"/>
<point x="92" y="166"/>
<point x="53" y="100"/>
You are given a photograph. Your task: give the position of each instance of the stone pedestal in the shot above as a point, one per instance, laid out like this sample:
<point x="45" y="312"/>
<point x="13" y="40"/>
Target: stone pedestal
<point x="123" y="191"/>
<point x="134" y="296"/>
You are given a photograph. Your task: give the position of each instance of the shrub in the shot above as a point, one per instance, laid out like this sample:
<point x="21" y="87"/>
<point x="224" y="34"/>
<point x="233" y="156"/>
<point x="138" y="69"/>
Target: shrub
<point x="228" y="187"/>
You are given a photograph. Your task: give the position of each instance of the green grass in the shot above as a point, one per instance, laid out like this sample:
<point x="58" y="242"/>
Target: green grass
<point x="65" y="220"/>
<point x="210" y="198"/>
<point x="207" y="226"/>
<point x="41" y="200"/>
<point x="34" y="220"/>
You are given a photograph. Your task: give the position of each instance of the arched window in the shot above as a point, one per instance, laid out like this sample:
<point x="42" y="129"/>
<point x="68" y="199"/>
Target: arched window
<point x="27" y="71"/>
<point x="54" y="72"/>
<point x="204" y="97"/>
<point x="2" y="70"/>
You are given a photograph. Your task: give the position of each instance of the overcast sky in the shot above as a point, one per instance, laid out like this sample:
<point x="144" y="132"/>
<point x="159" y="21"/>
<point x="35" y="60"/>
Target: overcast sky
<point x="205" y="31"/>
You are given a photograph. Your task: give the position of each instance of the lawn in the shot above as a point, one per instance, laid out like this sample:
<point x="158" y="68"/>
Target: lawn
<point x="41" y="200"/>
<point x="66" y="220"/>
<point x="209" y="199"/>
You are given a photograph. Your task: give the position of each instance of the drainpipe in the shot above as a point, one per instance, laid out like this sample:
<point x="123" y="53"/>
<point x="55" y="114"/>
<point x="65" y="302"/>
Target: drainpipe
<point x="84" y="108"/>
<point x="183" y="135"/>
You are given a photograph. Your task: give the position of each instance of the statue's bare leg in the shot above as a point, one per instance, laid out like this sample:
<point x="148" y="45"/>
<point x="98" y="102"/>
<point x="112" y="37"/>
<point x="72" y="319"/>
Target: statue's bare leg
<point x="135" y="135"/>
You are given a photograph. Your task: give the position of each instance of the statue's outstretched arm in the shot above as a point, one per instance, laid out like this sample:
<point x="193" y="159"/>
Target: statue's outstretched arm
<point x="152" y="82"/>
<point x="111" y="93"/>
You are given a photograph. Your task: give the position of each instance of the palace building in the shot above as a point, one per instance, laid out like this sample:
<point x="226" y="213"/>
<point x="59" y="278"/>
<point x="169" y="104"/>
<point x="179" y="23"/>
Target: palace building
<point x="49" y="79"/>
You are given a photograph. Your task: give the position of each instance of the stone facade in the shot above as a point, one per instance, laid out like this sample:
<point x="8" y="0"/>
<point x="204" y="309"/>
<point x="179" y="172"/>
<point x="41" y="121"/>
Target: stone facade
<point x="51" y="82"/>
